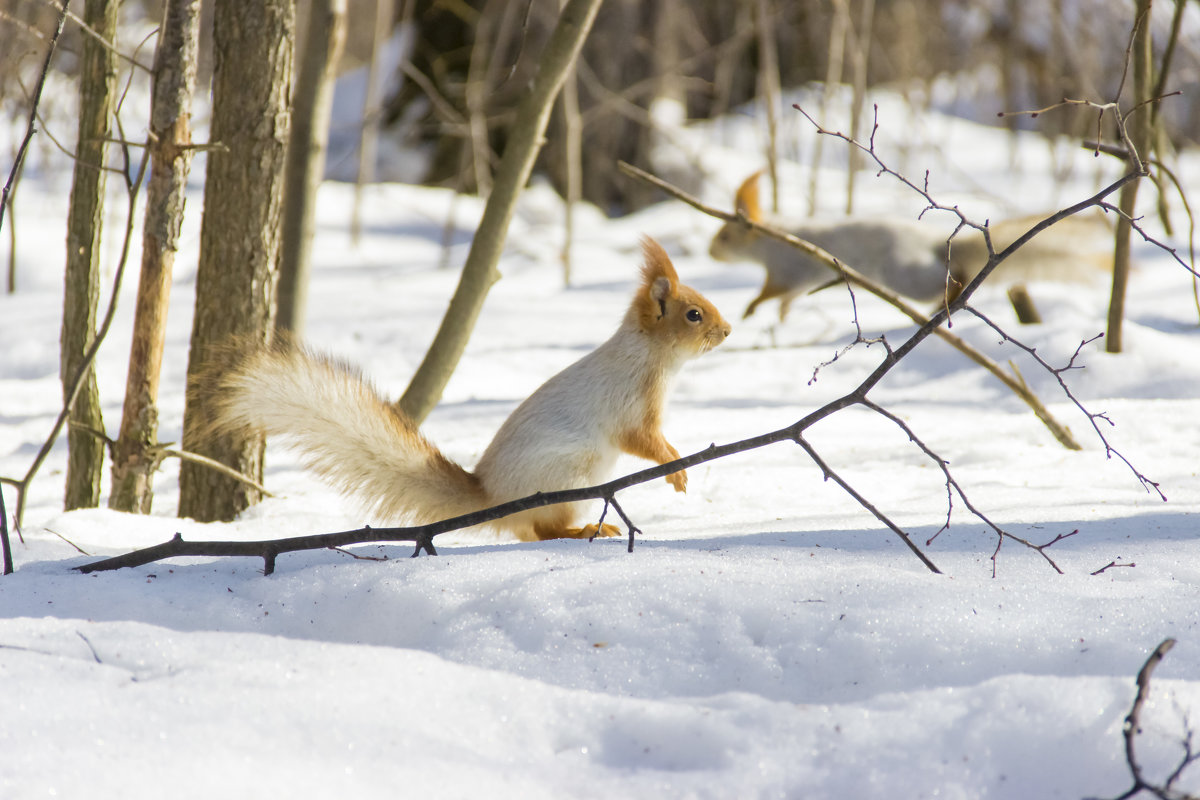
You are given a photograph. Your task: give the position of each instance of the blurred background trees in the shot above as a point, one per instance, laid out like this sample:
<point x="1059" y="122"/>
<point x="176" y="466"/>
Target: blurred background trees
<point x="974" y="57"/>
<point x="453" y="69"/>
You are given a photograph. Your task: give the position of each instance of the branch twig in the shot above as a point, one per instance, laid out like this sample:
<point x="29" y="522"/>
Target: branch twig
<point x="1133" y="726"/>
<point x="31" y="128"/>
<point x="1057" y="372"/>
<point x="954" y="488"/>
<point x="4" y="543"/>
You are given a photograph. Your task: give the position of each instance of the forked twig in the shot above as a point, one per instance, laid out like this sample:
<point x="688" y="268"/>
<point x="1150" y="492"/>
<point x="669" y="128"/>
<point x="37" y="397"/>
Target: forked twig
<point x="1093" y="418"/>
<point x="954" y="488"/>
<point x="1133" y="726"/>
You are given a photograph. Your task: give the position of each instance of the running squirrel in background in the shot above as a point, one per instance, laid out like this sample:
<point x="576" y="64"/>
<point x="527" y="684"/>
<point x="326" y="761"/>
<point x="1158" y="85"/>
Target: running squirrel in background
<point x="908" y="257"/>
<point x="566" y="435"/>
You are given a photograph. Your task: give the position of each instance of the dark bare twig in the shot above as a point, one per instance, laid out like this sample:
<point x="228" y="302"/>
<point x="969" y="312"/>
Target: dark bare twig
<point x="95" y="655"/>
<point x="1111" y="565"/>
<point x="358" y="556"/>
<point x="4" y="543"/>
<point x="1140" y="20"/>
<point x="76" y="547"/>
<point x="954" y="488"/>
<point x="859" y="338"/>
<point x="1190" y="756"/>
<point x="1093" y="418"/>
<point x="1133" y="726"/>
<point x="31" y="128"/>
<point x="633" y="529"/>
<point x="830" y="474"/>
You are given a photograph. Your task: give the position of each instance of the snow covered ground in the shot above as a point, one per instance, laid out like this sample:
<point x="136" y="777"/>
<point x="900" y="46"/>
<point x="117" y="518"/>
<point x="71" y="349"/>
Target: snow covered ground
<point x="766" y="638"/>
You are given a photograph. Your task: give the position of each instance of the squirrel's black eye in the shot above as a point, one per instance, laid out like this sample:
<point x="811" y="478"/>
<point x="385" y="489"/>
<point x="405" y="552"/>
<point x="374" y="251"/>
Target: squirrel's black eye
<point x="694" y="315"/>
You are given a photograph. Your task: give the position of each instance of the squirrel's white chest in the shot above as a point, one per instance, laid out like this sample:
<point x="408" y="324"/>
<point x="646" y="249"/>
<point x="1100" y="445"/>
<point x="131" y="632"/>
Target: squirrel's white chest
<point x="566" y="434"/>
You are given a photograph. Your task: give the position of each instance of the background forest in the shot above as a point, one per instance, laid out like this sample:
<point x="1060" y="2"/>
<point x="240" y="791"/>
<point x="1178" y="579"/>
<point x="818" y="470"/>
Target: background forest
<point x="466" y="62"/>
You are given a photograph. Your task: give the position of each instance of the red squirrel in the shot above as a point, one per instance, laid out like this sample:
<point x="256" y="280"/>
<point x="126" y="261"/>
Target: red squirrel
<point x="907" y="256"/>
<point x="566" y="435"/>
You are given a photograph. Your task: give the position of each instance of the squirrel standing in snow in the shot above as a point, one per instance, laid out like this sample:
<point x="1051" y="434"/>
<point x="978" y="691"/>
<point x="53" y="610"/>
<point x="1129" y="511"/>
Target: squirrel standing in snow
<point x="908" y="257"/>
<point x="566" y="435"/>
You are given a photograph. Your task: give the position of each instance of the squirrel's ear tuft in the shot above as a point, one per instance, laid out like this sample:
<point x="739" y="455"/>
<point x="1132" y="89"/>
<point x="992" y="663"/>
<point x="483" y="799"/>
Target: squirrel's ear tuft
<point x="746" y="199"/>
<point x="658" y="273"/>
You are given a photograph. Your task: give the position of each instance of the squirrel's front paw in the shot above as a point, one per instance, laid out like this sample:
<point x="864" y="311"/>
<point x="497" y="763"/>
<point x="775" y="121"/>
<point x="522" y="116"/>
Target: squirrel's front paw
<point x="678" y="480"/>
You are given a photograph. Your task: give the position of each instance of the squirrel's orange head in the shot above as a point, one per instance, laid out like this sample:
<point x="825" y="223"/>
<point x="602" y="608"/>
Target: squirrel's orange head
<point x="673" y="315"/>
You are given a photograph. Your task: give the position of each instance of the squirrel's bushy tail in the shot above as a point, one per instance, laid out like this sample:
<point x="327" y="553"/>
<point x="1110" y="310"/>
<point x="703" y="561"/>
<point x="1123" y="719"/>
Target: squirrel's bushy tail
<point x="346" y="432"/>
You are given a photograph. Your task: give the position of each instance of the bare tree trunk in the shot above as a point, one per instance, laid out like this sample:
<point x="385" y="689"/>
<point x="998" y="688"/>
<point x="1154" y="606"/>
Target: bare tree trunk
<point x="492" y="31"/>
<point x="1140" y="135"/>
<point x="573" y="156"/>
<point x="368" y="142"/>
<point x="10" y="284"/>
<point x="309" y="140"/>
<point x="239" y="235"/>
<point x="479" y="273"/>
<point x="1011" y="66"/>
<point x="729" y="63"/>
<point x="475" y="92"/>
<point x="860" y="61"/>
<point x="768" y="88"/>
<point x="98" y="76"/>
<point x="134" y="456"/>
<point x="839" y="29"/>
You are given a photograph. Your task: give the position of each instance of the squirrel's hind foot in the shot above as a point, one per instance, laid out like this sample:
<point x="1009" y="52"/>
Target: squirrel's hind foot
<point x="599" y="532"/>
<point x="586" y="532"/>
